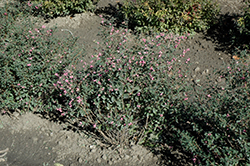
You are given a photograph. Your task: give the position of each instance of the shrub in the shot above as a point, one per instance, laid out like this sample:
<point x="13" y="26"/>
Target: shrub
<point x="54" y="8"/>
<point x="29" y="58"/>
<point x="242" y="24"/>
<point x="138" y="91"/>
<point x="177" y="16"/>
<point x="127" y="91"/>
<point x="132" y="90"/>
<point x="217" y="131"/>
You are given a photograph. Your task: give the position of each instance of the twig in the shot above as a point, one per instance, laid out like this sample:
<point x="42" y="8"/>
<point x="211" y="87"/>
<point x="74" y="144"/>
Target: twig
<point x="68" y="31"/>
<point x="4" y="152"/>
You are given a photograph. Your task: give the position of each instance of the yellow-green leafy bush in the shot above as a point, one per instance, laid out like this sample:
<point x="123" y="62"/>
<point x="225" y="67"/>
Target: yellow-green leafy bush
<point x="170" y="15"/>
<point x="53" y="8"/>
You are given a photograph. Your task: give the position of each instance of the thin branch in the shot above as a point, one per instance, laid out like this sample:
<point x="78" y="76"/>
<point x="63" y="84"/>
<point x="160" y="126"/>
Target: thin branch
<point x="4" y="152"/>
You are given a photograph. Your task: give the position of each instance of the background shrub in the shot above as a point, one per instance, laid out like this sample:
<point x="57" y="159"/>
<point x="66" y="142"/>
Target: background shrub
<point x="177" y="16"/>
<point x="242" y="24"/>
<point x="54" y="8"/>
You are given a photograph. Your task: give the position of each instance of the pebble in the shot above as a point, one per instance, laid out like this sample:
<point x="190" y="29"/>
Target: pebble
<point x="99" y="160"/>
<point x="126" y="157"/>
<point x="35" y="139"/>
<point x="16" y="114"/>
<point x="79" y="160"/>
<point x="91" y="146"/>
<point x="104" y="157"/>
<point x="205" y="72"/>
<point x="197" y="69"/>
<point x="93" y="150"/>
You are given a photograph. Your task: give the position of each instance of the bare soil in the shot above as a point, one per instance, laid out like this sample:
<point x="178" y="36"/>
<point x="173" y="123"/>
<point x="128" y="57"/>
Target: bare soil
<point x="33" y="140"/>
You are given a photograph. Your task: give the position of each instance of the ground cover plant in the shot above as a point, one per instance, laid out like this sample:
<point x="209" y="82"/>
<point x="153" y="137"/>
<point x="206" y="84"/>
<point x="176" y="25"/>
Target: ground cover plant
<point x="118" y="90"/>
<point x="128" y="92"/>
<point x="29" y="57"/>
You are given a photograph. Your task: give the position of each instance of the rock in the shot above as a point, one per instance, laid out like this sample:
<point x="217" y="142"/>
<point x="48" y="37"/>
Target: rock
<point x="35" y="139"/>
<point x="104" y="157"/>
<point x="99" y="160"/>
<point x="197" y="69"/>
<point x="80" y="160"/>
<point x="16" y="114"/>
<point x="42" y="129"/>
<point x="92" y="146"/>
<point x="126" y="157"/>
<point x="93" y="150"/>
<point x="59" y="143"/>
<point x="205" y="72"/>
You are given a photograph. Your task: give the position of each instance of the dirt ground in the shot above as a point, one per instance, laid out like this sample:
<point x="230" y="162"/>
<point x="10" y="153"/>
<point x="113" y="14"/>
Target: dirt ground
<point x="33" y="140"/>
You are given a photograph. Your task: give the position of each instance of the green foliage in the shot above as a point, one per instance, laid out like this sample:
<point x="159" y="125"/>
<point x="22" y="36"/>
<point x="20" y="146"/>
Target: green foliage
<point x="134" y="89"/>
<point x="217" y="131"/>
<point x="127" y="91"/>
<point x="54" y="8"/>
<point x="29" y="58"/>
<point x="243" y="26"/>
<point x="244" y="22"/>
<point x="174" y="15"/>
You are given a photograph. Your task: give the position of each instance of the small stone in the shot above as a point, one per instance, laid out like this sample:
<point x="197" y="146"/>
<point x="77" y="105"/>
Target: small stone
<point x="99" y="160"/>
<point x="79" y="160"/>
<point x="126" y="157"/>
<point x="205" y="72"/>
<point x="59" y="142"/>
<point x="16" y="114"/>
<point x="135" y="157"/>
<point x="35" y="139"/>
<point x="197" y="69"/>
<point x="91" y="146"/>
<point x="104" y="157"/>
<point x="93" y="150"/>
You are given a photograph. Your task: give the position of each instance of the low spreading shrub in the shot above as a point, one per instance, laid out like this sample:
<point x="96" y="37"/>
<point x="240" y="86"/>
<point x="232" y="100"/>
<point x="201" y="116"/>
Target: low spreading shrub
<point x="127" y="91"/>
<point x="217" y="131"/>
<point x="177" y="16"/>
<point x="29" y="57"/>
<point x="134" y="89"/>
